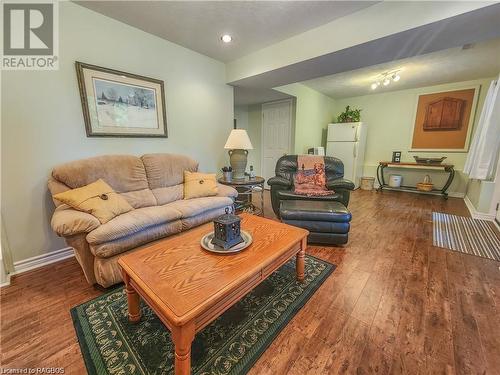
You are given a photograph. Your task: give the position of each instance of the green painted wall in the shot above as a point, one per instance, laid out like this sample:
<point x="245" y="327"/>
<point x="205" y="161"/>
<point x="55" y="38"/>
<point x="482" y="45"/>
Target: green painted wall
<point x="313" y="112"/>
<point x="480" y="194"/>
<point x="250" y="118"/>
<point x="42" y="122"/>
<point x="390" y="117"/>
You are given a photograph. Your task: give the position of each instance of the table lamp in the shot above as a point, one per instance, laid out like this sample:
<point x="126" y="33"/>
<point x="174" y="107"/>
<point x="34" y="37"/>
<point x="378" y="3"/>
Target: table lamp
<point x="238" y="143"/>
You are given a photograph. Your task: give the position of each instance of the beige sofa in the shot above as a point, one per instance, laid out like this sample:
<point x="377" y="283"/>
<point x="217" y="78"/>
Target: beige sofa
<point x="153" y="185"/>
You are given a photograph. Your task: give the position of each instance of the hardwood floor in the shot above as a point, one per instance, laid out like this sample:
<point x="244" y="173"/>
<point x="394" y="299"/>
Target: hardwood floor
<point x="394" y="305"/>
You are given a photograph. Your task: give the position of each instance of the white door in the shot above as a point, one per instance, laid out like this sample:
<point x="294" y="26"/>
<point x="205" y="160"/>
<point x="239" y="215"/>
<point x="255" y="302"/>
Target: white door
<point x="276" y="134"/>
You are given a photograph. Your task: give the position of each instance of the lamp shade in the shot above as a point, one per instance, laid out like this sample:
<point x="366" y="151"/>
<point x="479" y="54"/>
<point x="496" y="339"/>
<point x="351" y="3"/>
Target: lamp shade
<point x="238" y="140"/>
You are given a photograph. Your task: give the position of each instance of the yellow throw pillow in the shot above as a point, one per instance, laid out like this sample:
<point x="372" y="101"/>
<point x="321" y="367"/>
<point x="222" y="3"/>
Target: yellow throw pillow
<point x="198" y="185"/>
<point x="98" y="199"/>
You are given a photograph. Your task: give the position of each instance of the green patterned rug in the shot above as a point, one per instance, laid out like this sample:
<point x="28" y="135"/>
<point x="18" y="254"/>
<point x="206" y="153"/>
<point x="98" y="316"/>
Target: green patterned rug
<point x="229" y="345"/>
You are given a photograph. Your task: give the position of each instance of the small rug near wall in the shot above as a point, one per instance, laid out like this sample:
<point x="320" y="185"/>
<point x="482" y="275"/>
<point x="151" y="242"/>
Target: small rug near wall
<point x="229" y="345"/>
<point x="467" y="235"/>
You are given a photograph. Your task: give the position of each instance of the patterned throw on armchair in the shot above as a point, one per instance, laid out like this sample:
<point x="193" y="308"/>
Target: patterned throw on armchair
<point x="282" y="185"/>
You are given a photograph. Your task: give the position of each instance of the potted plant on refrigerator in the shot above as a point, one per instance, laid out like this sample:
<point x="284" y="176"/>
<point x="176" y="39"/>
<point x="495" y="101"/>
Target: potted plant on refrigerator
<point x="349" y="115"/>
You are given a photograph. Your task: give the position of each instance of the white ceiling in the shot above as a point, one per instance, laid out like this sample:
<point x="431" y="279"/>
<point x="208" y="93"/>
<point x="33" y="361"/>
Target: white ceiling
<point x="249" y="95"/>
<point x="198" y="25"/>
<point x="450" y="65"/>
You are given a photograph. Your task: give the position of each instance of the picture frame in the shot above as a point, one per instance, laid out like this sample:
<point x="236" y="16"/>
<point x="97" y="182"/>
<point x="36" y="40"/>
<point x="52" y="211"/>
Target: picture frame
<point x="121" y="104"/>
<point x="463" y="131"/>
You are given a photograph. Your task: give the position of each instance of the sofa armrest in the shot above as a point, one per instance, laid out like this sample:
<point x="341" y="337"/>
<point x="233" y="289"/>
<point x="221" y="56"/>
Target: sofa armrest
<point x="281" y="181"/>
<point x="339" y="183"/>
<point x="226" y="191"/>
<point x="68" y="222"/>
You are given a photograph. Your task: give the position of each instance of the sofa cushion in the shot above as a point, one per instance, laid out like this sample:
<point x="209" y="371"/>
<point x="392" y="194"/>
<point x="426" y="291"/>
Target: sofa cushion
<point x="131" y="241"/>
<point x="167" y="169"/>
<point x="98" y="199"/>
<point x="204" y="217"/>
<point x="198" y="185"/>
<point x="169" y="194"/>
<point x="196" y="206"/>
<point x="124" y="173"/>
<point x="174" y="193"/>
<point x="314" y="211"/>
<point x="68" y="222"/>
<point x="140" y="198"/>
<point x="226" y="191"/>
<point x="290" y="195"/>
<point x="132" y="222"/>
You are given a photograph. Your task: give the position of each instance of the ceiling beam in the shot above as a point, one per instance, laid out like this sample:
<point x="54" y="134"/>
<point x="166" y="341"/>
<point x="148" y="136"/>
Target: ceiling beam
<point x="380" y="33"/>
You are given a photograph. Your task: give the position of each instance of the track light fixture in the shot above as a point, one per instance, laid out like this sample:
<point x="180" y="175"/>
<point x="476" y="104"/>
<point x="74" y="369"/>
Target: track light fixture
<point x="386" y="78"/>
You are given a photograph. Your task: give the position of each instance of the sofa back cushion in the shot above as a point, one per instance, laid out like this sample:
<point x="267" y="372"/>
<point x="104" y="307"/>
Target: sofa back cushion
<point x="165" y="174"/>
<point x="124" y="173"/>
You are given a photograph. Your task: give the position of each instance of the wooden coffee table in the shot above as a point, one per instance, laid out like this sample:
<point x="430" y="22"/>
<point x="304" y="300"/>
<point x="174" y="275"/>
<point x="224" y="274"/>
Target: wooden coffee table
<point x="188" y="287"/>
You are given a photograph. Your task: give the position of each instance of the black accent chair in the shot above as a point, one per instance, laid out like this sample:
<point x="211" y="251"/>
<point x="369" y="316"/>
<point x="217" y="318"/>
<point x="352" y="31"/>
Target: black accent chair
<point x="282" y="187"/>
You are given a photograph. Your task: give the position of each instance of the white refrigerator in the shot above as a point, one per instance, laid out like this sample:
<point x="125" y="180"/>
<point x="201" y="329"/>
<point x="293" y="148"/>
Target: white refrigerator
<point x="347" y="142"/>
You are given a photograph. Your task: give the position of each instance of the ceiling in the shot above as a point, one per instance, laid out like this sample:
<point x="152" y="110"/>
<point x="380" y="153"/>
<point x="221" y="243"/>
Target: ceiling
<point x="471" y="27"/>
<point x="450" y="65"/>
<point x="198" y="25"/>
<point x="244" y="96"/>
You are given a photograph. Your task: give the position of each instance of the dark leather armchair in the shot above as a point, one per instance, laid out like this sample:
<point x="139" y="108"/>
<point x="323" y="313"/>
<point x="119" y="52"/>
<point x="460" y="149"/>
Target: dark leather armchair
<point x="282" y="187"/>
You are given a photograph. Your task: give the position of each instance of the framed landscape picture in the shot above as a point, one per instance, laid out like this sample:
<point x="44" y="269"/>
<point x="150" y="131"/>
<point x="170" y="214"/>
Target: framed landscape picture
<point x="119" y="104"/>
<point x="444" y="120"/>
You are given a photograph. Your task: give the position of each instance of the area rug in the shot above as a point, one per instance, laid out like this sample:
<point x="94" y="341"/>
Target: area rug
<point x="466" y="235"/>
<point x="229" y="345"/>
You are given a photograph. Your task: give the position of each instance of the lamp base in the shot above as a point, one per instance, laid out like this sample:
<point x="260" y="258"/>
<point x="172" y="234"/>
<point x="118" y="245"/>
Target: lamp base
<point x="238" y="161"/>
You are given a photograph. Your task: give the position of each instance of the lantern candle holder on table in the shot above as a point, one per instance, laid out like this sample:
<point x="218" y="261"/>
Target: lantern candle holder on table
<point x="227" y="236"/>
<point x="227" y="231"/>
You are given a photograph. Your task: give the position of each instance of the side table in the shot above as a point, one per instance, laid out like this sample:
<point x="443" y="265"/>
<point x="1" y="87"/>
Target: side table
<point x="246" y="187"/>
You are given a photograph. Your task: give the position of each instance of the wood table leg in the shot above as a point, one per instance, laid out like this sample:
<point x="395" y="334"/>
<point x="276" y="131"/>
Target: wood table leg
<point x="182" y="338"/>
<point x="299" y="263"/>
<point x="134" y="311"/>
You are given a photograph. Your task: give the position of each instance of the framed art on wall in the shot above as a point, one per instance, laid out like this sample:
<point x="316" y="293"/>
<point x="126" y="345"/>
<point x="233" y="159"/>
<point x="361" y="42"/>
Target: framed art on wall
<point x="120" y="104"/>
<point x="444" y="120"/>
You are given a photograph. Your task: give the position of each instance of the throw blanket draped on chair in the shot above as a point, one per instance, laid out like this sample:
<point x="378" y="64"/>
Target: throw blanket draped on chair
<point x="310" y="178"/>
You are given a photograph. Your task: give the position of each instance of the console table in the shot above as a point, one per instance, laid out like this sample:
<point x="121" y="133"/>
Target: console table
<point x="447" y="168"/>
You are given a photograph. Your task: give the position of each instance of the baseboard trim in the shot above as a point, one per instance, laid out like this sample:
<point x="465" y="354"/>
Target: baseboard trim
<point x="6" y="282"/>
<point x="42" y="260"/>
<point x="476" y="214"/>
<point x="456" y="194"/>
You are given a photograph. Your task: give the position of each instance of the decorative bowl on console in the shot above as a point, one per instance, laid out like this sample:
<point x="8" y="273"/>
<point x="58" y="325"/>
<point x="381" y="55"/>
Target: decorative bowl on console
<point x="425" y="160"/>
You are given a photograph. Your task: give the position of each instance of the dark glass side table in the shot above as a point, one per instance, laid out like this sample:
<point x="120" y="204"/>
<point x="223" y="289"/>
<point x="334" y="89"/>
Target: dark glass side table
<point x="246" y="187"/>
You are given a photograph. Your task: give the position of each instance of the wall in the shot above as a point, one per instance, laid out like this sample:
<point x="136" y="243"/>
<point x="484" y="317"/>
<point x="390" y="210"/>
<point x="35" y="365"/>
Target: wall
<point x="250" y="118"/>
<point x="480" y="194"/>
<point x="314" y="111"/>
<point x="42" y="123"/>
<point x="484" y="195"/>
<point x="390" y="116"/>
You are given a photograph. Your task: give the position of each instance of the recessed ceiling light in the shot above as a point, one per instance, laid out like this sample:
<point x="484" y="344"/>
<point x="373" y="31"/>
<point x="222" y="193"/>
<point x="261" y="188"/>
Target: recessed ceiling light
<point x="226" y="38"/>
<point x="396" y="77"/>
<point x="374" y="85"/>
<point x="386" y="81"/>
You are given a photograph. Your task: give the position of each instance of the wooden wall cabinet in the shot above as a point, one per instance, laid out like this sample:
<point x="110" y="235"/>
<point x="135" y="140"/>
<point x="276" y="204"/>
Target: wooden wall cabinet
<point x="444" y="114"/>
